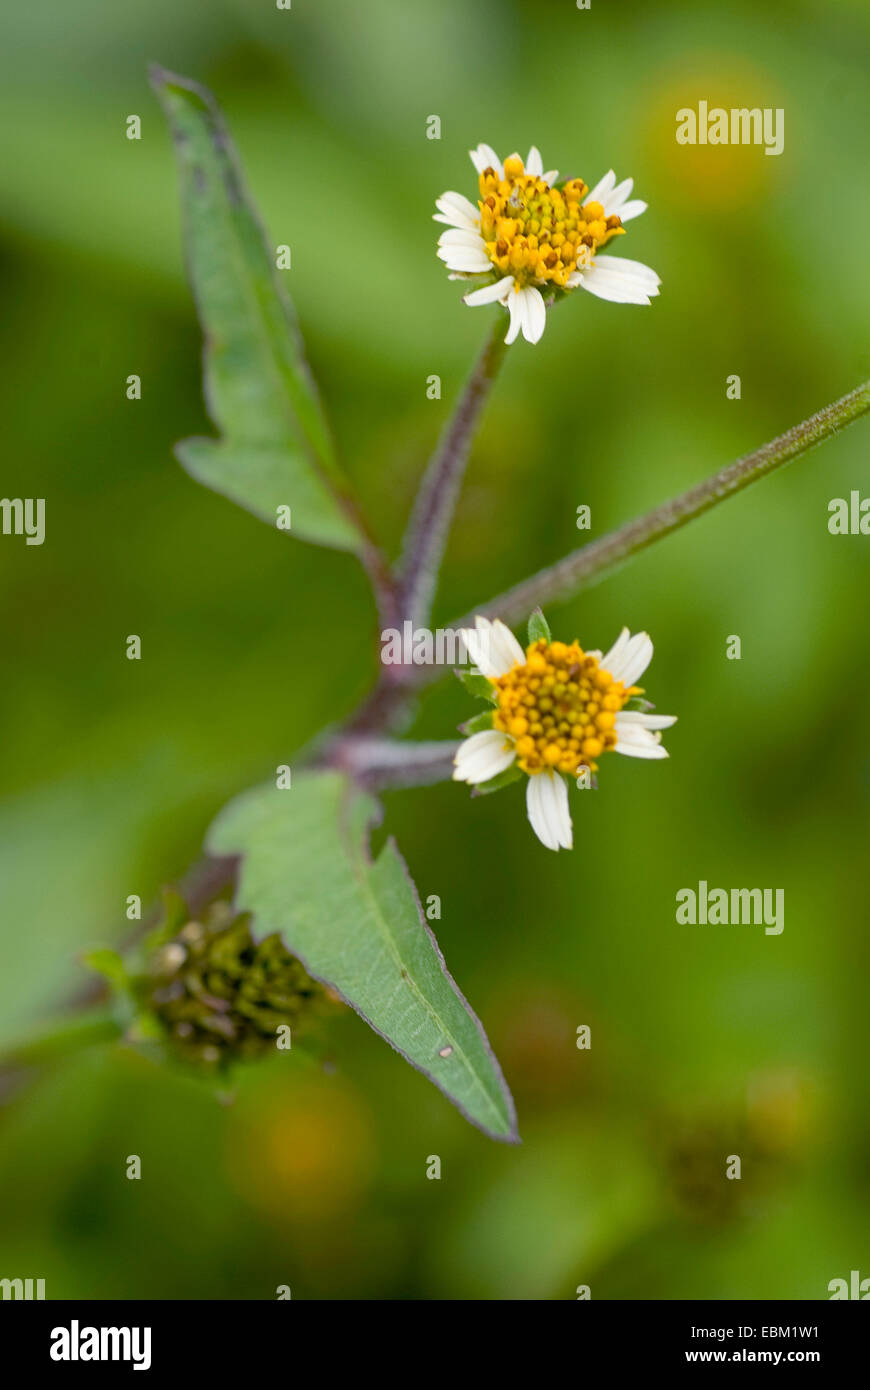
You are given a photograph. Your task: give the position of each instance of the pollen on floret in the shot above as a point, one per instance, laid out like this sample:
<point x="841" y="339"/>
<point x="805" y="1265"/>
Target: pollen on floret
<point x="539" y="234"/>
<point x="554" y="706"/>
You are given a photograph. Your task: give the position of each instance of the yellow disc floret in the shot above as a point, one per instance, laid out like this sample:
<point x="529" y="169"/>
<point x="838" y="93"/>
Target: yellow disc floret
<point x="537" y="233"/>
<point x="560" y="707"/>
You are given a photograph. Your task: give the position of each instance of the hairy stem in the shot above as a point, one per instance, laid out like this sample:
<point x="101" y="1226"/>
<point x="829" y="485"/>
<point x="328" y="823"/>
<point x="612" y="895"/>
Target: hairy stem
<point x="64" y="1036"/>
<point x="376" y="761"/>
<point x="61" y="1038"/>
<point x="381" y="763"/>
<point x="384" y="587"/>
<point x="428" y="528"/>
<point x="592" y="562"/>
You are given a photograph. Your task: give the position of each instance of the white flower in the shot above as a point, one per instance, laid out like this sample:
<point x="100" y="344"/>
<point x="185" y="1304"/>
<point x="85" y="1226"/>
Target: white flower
<point x="530" y="237"/>
<point x="557" y="709"/>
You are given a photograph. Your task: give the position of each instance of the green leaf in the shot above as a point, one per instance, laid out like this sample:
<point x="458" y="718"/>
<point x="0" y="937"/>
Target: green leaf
<point x="477" y="685"/>
<point x="538" y="627"/>
<point x="478" y="723"/>
<point x="173" y="916"/>
<point x="275" y="450"/>
<point x="108" y="964"/>
<point x="357" y="925"/>
<point x="495" y="784"/>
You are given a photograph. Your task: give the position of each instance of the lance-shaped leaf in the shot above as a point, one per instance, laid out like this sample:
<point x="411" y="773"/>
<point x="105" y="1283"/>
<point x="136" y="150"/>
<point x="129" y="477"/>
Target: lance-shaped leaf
<point x="275" y="450"/>
<point x="357" y="925"/>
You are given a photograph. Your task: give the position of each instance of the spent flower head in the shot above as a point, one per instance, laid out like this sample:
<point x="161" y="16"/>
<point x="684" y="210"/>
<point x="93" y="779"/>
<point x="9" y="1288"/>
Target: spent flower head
<point x="220" y="995"/>
<point x="206" y="993"/>
<point x="557" y="710"/>
<point x="529" y="237"/>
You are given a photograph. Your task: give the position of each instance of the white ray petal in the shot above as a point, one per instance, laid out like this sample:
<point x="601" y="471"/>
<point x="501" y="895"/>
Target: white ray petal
<point x="641" y="750"/>
<point x="461" y="236"/>
<point x="601" y="189"/>
<point x="646" y="721"/>
<point x="516" y="313"/>
<point x="618" y="289"/>
<point x="487" y="648"/>
<point x="483" y="756"/>
<point x="508" y="647"/>
<point x="534" y="313"/>
<point x="466" y="259"/>
<point x="615" y="654"/>
<point x="617" y="196"/>
<point x="489" y="293"/>
<point x="638" y="737"/>
<point x="632" y="209"/>
<point x="485" y="157"/>
<point x="478" y="646"/>
<point x="460" y="205"/>
<point x="635" y="270"/>
<point x="547" y="807"/>
<point x="626" y="657"/>
<point x="638" y="656"/>
<point x="550" y="176"/>
<point x="534" y="163"/>
<point x="459" y="213"/>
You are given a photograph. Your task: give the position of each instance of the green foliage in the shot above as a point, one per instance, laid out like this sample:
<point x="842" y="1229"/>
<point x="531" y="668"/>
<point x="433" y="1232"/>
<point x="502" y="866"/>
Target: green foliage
<point x="585" y="1191"/>
<point x="477" y="685"/>
<point x="538" y="627"/>
<point x="478" y="724"/>
<point x="357" y="925"/>
<point x="173" y="916"/>
<point x="495" y="784"/>
<point x="275" y="450"/>
<point x="109" y="964"/>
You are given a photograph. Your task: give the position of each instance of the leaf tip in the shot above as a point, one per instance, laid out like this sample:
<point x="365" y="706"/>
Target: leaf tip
<point x="538" y="627"/>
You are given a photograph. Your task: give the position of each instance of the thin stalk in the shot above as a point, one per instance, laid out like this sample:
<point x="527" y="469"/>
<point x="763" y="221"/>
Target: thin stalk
<point x="586" y="566"/>
<point x="380" y="763"/>
<point x="428" y="528"/>
<point x="60" y="1039"/>
<point x="63" y="1037"/>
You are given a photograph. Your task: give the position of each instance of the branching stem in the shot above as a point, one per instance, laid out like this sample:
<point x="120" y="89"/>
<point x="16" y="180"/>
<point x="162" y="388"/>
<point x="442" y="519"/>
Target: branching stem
<point x="586" y="566"/>
<point x="428" y="528"/>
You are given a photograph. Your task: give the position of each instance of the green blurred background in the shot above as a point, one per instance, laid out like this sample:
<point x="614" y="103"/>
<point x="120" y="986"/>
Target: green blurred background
<point x="706" y="1041"/>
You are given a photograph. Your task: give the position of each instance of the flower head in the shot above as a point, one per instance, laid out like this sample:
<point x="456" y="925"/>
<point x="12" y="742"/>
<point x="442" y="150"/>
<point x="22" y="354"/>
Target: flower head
<point x="557" y="710"/>
<point x="211" y="995"/>
<point x="529" y="236"/>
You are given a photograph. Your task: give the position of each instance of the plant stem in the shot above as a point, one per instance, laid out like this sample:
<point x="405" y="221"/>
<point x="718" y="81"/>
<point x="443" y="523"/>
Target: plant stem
<point x="63" y="1037"/>
<point x="380" y="762"/>
<point x="592" y="562"/>
<point x="426" y="536"/>
<point x="384" y="585"/>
